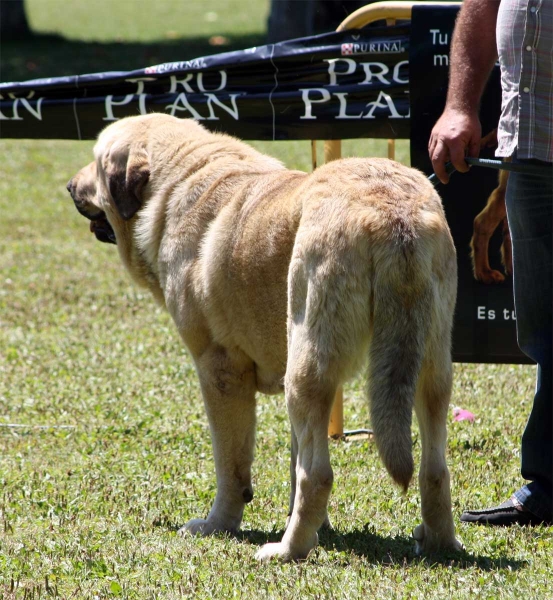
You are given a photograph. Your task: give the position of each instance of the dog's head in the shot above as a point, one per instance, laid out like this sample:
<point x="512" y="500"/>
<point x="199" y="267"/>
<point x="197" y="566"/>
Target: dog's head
<point x="83" y="189"/>
<point x="108" y="191"/>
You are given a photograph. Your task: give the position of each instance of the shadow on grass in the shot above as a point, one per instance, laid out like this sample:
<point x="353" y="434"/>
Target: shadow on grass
<point x="378" y="549"/>
<point x="47" y="55"/>
<point x="399" y="549"/>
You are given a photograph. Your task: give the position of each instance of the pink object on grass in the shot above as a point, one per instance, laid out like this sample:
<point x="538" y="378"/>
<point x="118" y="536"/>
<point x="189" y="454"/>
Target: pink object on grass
<point x="460" y="414"/>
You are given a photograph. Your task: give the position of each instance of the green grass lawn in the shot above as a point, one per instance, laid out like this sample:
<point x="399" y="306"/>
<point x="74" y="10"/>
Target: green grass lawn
<point x="104" y="445"/>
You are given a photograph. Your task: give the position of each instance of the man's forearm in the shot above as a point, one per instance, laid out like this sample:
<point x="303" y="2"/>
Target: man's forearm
<point x="473" y="54"/>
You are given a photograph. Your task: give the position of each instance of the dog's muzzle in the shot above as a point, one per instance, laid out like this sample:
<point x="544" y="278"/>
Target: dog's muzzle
<point x="99" y="225"/>
<point x="103" y="231"/>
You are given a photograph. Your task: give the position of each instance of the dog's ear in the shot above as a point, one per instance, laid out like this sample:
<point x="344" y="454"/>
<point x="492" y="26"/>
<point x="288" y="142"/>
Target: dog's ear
<point x="127" y="174"/>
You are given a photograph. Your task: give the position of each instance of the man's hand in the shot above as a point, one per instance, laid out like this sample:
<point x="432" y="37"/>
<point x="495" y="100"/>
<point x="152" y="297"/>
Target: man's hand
<point x="456" y="134"/>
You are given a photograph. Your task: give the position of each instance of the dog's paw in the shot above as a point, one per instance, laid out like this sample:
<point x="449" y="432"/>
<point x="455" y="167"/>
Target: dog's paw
<point x="279" y="551"/>
<point x="490" y="276"/>
<point x="270" y="551"/>
<point x="286" y="552"/>
<point x="428" y="543"/>
<point x="203" y="528"/>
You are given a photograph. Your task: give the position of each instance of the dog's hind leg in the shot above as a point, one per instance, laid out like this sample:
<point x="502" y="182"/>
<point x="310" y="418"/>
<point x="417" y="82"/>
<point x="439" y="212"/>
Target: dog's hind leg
<point x="309" y="399"/>
<point x="293" y="467"/>
<point x="431" y="406"/>
<point x="228" y="388"/>
<point x="317" y="353"/>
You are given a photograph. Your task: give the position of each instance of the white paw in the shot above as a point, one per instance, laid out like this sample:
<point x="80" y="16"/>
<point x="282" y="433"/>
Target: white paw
<point x="201" y="527"/>
<point x="285" y="552"/>
<point x="279" y="551"/>
<point x="427" y="543"/>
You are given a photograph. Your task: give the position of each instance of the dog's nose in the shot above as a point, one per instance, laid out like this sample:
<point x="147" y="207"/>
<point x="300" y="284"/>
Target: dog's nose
<point x="69" y="186"/>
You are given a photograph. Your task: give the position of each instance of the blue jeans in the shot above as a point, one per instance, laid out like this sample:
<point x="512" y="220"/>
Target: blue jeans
<point x="529" y="201"/>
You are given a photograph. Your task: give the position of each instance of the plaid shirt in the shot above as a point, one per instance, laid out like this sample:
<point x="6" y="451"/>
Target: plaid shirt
<point x="525" y="47"/>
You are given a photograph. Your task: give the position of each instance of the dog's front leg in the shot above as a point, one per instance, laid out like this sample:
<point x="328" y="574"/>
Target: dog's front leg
<point x="228" y="388"/>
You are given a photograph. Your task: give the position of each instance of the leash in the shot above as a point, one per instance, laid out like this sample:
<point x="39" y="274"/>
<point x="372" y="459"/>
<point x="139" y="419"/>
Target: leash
<point x="494" y="164"/>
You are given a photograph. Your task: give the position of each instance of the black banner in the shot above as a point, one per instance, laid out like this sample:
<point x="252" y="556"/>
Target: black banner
<point x="387" y="82"/>
<point x="340" y="85"/>
<point x="485" y="326"/>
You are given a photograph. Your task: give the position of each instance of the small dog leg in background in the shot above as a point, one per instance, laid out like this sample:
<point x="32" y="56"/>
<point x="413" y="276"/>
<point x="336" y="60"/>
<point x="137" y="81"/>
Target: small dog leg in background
<point x="485" y="224"/>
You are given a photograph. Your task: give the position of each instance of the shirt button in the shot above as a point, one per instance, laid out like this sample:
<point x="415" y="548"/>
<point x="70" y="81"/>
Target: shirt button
<point x="529" y="48"/>
<point x="533" y="9"/>
<point x="526" y="90"/>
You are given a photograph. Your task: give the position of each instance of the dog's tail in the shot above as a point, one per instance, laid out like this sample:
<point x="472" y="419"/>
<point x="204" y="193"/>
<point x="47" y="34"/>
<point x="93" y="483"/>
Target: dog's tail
<point x="402" y="309"/>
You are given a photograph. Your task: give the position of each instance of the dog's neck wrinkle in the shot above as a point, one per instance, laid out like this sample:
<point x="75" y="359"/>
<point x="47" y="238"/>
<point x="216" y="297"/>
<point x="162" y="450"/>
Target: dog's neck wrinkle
<point x="150" y="276"/>
<point x="136" y="263"/>
<point x="149" y="228"/>
<point x="192" y="155"/>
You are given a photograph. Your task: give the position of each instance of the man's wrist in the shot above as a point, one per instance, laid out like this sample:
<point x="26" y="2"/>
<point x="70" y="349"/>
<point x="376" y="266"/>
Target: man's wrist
<point x="461" y="108"/>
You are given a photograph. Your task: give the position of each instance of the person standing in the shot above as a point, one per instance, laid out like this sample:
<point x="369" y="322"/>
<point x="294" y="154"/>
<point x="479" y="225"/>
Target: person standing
<point x="520" y="32"/>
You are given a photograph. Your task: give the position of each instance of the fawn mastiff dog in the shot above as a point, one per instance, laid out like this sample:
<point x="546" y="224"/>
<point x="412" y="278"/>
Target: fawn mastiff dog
<point x="278" y="280"/>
